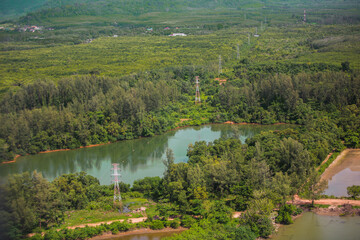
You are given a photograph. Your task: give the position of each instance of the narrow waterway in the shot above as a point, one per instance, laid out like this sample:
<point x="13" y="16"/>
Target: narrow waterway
<point x="311" y="226"/>
<point x="138" y="158"/>
<point x="343" y="173"/>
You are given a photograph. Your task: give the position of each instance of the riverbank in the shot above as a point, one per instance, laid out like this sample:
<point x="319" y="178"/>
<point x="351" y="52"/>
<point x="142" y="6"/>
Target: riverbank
<point x="55" y="150"/>
<point x="328" y="173"/>
<point x="332" y="202"/>
<point x="138" y="232"/>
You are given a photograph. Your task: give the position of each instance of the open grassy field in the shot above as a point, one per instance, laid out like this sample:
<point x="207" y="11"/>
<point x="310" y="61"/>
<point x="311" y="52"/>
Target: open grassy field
<point x="118" y="56"/>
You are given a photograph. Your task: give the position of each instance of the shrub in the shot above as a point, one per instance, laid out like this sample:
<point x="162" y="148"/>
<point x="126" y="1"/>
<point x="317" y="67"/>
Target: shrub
<point x="244" y="233"/>
<point x="187" y="221"/>
<point x="285" y="212"/>
<point x="157" y="224"/>
<point x="353" y="191"/>
<point x="174" y="224"/>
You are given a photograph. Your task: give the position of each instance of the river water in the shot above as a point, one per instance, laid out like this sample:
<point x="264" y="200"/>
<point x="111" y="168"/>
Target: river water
<point x="311" y="226"/>
<point x="343" y="174"/>
<point x="138" y="158"/>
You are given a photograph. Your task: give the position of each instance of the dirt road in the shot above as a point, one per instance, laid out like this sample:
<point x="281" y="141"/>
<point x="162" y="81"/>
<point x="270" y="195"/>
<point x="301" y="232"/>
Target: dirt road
<point x="300" y="201"/>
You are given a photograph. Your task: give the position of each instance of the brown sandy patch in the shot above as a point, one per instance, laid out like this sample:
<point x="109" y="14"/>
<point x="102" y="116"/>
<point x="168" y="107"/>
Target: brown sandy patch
<point x="12" y="161"/>
<point x="334" y="202"/>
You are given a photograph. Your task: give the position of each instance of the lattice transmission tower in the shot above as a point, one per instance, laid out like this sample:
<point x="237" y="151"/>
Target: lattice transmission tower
<point x="116" y="179"/>
<point x="197" y="93"/>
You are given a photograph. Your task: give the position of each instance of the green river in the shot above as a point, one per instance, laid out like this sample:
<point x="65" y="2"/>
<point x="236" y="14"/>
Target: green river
<point x="138" y="158"/>
<point x="311" y="226"/>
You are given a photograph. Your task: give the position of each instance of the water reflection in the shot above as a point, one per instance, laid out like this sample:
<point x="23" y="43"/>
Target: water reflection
<point x="315" y="227"/>
<point x="344" y="174"/>
<point x="138" y="158"/>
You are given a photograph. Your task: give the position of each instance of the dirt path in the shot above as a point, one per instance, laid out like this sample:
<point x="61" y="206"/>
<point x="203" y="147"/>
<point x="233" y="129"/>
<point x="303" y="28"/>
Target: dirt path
<point x="300" y="201"/>
<point x="325" y="160"/>
<point x="133" y="220"/>
<point x="327" y="173"/>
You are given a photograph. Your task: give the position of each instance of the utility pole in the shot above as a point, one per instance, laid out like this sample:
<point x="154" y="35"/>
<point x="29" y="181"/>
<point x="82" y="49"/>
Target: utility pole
<point x="116" y="178"/>
<point x="304" y="16"/>
<point x="197" y="94"/>
<point x="220" y="68"/>
<point x="249" y="38"/>
<point x="261" y="26"/>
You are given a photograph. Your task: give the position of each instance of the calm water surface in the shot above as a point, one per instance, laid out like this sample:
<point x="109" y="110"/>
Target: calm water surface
<point x="315" y="227"/>
<point x="344" y="174"/>
<point x="138" y="158"/>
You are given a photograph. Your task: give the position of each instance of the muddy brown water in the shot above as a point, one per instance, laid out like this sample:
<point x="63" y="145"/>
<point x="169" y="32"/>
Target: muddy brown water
<point x="343" y="173"/>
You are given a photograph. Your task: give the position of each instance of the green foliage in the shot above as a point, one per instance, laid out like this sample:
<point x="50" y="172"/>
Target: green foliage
<point x="28" y="201"/>
<point x="187" y="221"/>
<point x="219" y="213"/>
<point x="353" y="191"/>
<point x="157" y="225"/>
<point x="174" y="224"/>
<point x="119" y="227"/>
<point x="314" y="186"/>
<point x="150" y="186"/>
<point x="285" y="213"/>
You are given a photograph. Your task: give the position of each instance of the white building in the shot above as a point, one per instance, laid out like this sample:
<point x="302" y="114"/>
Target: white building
<point x="178" y="34"/>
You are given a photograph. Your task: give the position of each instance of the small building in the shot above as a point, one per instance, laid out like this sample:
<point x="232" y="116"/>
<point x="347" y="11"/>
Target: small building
<point x="178" y="34"/>
<point x="167" y="28"/>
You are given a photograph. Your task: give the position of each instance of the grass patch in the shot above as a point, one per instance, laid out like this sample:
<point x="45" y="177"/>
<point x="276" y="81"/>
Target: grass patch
<point x="322" y="205"/>
<point x="328" y="162"/>
<point x="78" y="217"/>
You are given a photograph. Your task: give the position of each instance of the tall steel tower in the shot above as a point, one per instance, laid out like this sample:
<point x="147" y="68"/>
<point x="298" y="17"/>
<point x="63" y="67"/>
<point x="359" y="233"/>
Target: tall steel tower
<point x="197" y="94"/>
<point x="116" y="178"/>
<point x="304" y="16"/>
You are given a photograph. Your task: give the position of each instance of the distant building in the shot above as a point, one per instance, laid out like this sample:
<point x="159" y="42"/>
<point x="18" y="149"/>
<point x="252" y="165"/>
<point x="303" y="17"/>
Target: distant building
<point x="149" y="29"/>
<point x="115" y="35"/>
<point x="167" y="28"/>
<point x="178" y="34"/>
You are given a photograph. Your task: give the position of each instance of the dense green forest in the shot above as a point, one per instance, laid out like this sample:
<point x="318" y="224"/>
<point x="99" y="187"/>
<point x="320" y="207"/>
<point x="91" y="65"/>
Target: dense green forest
<point x="104" y="71"/>
<point x="219" y="178"/>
